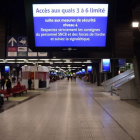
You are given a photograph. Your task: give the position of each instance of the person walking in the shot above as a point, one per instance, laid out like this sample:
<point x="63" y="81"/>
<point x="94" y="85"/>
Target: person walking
<point x="2" y="82"/>
<point x="8" y="84"/>
<point x="29" y="83"/>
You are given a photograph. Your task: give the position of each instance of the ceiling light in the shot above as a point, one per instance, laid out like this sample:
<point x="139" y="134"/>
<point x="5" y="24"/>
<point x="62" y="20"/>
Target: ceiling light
<point x="19" y="62"/>
<point x="10" y="59"/>
<point x="20" y="59"/>
<point x="40" y="62"/>
<point x="87" y="62"/>
<point x="69" y="65"/>
<point x="29" y="62"/>
<point x="44" y="59"/>
<point x="135" y="24"/>
<point x="77" y="62"/>
<point x="39" y="65"/>
<point x="83" y="65"/>
<point x="55" y="59"/>
<point x="67" y="62"/>
<point x="25" y="65"/>
<point x="58" y="62"/>
<point x="32" y="59"/>
<point x="10" y="62"/>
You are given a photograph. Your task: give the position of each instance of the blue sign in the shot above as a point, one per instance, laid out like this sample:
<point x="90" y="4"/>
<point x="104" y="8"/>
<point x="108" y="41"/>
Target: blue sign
<point x="7" y="68"/>
<point x="106" y="65"/>
<point x="70" y="25"/>
<point x="83" y="71"/>
<point x="122" y="62"/>
<point x="89" y="69"/>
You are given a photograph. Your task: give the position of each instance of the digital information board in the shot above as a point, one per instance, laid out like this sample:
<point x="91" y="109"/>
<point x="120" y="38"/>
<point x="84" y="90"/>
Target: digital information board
<point x="89" y="69"/>
<point x="106" y="65"/>
<point x="70" y="25"/>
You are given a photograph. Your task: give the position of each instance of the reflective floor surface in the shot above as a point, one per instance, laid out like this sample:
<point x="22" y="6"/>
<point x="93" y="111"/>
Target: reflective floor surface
<point x="72" y="110"/>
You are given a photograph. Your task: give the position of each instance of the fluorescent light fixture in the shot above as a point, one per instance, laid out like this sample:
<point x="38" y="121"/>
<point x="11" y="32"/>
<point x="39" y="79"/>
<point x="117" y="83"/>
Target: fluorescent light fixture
<point x="32" y="59"/>
<point x="135" y="24"/>
<point x="58" y="62"/>
<point x="44" y="59"/>
<point x="40" y="62"/>
<point x="66" y="59"/>
<point x="10" y="62"/>
<point x="63" y="67"/>
<point x="29" y="62"/>
<point x="39" y="65"/>
<point x="87" y="62"/>
<point x="77" y="62"/>
<point x="67" y="62"/>
<point x="20" y="62"/>
<point x="69" y="65"/>
<point x="10" y="59"/>
<point x="74" y="67"/>
<point x="55" y="59"/>
<point x="20" y="59"/>
<point x="25" y="65"/>
<point x="83" y="65"/>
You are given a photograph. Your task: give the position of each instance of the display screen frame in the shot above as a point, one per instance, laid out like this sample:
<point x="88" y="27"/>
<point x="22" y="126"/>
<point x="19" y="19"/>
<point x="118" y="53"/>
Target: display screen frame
<point x="110" y="26"/>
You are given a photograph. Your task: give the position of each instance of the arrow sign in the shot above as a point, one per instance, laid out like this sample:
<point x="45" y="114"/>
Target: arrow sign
<point x="12" y="41"/>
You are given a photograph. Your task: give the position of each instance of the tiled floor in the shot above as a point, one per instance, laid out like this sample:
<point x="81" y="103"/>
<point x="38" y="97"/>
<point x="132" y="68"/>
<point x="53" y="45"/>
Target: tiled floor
<point x="72" y="111"/>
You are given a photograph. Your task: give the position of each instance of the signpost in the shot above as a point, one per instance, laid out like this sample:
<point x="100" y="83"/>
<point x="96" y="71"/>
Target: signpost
<point x="17" y="47"/>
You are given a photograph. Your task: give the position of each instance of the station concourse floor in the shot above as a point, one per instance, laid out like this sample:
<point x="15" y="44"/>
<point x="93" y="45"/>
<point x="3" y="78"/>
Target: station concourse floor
<point x="72" y="110"/>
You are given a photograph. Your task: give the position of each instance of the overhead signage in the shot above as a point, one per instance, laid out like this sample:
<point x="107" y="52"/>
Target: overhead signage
<point x="42" y="54"/>
<point x="17" y="47"/>
<point x="70" y="25"/>
<point x="32" y="54"/>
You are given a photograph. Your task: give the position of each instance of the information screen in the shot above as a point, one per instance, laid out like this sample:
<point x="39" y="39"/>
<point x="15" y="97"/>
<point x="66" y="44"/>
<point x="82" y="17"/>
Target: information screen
<point x="83" y="71"/>
<point x="89" y="69"/>
<point x="70" y="25"/>
<point x="106" y="65"/>
<point x="7" y="69"/>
